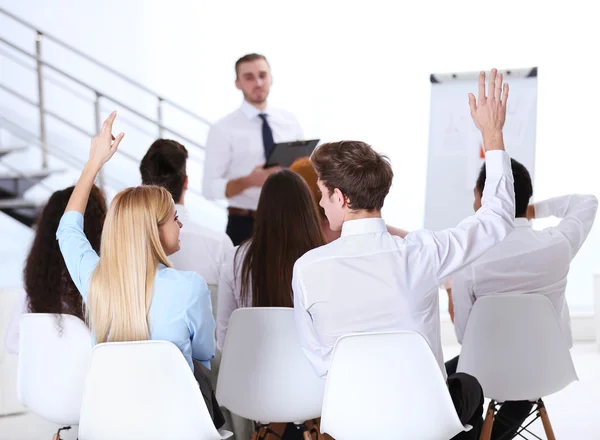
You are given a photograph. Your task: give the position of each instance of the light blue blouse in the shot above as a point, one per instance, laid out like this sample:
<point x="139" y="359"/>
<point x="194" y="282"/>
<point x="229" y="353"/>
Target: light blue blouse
<point x="180" y="312"/>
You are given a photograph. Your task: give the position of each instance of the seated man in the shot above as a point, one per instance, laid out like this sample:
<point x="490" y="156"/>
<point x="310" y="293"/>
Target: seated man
<point x="202" y="249"/>
<point x="542" y="258"/>
<point x="368" y="280"/>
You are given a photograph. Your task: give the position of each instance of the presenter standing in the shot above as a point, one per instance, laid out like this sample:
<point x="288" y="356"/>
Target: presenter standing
<point x="238" y="145"/>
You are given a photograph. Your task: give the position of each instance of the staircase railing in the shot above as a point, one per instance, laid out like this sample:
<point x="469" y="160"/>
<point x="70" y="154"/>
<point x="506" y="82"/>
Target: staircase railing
<point x="195" y="147"/>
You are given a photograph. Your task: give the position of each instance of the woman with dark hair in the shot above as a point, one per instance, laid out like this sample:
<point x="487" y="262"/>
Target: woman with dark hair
<point x="48" y="287"/>
<point x="259" y="272"/>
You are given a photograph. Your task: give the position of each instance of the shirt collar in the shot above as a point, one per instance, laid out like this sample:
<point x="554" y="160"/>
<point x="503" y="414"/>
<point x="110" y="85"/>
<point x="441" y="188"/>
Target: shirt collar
<point x="363" y="226"/>
<point x="252" y="112"/>
<point x="522" y="222"/>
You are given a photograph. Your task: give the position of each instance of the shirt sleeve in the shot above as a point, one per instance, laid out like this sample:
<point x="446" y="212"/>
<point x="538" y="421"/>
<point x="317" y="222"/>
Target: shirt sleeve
<point x="225" y="249"/>
<point x="12" y="333"/>
<point x="306" y="331"/>
<point x="463" y="297"/>
<point x="80" y="258"/>
<point x="218" y="157"/>
<point x="201" y="322"/>
<point x="577" y="212"/>
<point x="226" y="299"/>
<point x="454" y="248"/>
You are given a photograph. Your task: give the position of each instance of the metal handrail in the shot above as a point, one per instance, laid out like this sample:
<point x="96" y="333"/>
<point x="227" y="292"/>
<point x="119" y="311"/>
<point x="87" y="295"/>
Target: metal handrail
<point x="66" y="88"/>
<point x="104" y="66"/>
<point x="56" y="151"/>
<point x="59" y="118"/>
<point x="32" y="137"/>
<point x="100" y="94"/>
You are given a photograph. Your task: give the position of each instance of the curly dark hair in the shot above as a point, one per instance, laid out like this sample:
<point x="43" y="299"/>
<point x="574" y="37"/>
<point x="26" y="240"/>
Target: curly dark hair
<point x="47" y="282"/>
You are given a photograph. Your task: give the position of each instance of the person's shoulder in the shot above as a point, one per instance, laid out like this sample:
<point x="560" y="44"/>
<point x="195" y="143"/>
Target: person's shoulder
<point x="321" y="253"/>
<point x="226" y="121"/>
<point x="184" y="282"/>
<point x="284" y="114"/>
<point x="197" y="231"/>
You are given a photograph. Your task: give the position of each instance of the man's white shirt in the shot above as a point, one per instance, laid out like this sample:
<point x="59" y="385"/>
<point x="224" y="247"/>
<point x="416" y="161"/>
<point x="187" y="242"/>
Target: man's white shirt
<point x="529" y="261"/>
<point x="203" y="250"/>
<point x="234" y="147"/>
<point x="368" y="280"/>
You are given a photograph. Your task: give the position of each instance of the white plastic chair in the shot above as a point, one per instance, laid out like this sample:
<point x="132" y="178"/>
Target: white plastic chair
<point x="143" y="390"/>
<point x="264" y="374"/>
<point x="387" y="385"/>
<point x="515" y="346"/>
<point x="53" y="362"/>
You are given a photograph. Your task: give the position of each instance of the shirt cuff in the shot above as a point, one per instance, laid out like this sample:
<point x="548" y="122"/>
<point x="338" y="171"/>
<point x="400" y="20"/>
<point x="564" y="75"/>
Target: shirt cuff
<point x="497" y="162"/>
<point x="218" y="188"/>
<point x="543" y="209"/>
<point x="70" y="218"/>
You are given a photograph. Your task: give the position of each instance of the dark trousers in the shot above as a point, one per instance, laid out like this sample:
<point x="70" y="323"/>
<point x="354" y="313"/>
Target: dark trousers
<point x="201" y="375"/>
<point x="509" y="418"/>
<point x="467" y="396"/>
<point x="239" y="228"/>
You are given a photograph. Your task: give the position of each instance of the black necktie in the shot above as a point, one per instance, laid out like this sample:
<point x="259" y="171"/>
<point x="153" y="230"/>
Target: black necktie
<point x="267" y="135"/>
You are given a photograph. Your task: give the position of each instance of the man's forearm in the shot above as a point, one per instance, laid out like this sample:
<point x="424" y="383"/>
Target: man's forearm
<point x="236" y="186"/>
<point x="493" y="140"/>
<point x="79" y="198"/>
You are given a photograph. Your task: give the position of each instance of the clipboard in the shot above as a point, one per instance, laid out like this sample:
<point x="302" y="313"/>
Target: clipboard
<point x="285" y="153"/>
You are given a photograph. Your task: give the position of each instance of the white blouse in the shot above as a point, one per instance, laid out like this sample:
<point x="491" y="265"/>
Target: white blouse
<point x="229" y="291"/>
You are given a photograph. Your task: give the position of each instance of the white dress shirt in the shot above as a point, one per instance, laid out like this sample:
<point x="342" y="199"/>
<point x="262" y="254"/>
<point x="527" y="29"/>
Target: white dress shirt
<point x="368" y="280"/>
<point x="203" y="250"/>
<point x="529" y="261"/>
<point x="235" y="147"/>
<point x="229" y="291"/>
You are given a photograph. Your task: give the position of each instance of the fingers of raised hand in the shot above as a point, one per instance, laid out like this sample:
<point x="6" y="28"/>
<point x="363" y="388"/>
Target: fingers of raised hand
<point x="108" y="123"/>
<point x="492" y="84"/>
<point x="504" y="95"/>
<point x="117" y="140"/>
<point x="472" y="103"/>
<point x="498" y="88"/>
<point x="481" y="97"/>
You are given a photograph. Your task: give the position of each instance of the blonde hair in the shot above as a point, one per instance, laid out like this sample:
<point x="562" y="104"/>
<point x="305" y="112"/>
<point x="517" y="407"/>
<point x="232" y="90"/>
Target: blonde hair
<point x="121" y="286"/>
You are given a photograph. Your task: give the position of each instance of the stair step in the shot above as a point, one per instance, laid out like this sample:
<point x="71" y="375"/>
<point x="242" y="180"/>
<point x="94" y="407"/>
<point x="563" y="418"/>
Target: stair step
<point x="7" y="150"/>
<point x="15" y="183"/>
<point x="17" y="204"/>
<point x="37" y="174"/>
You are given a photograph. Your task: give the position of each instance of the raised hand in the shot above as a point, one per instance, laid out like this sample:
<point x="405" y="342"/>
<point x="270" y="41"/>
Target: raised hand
<point x="489" y="112"/>
<point x="104" y="145"/>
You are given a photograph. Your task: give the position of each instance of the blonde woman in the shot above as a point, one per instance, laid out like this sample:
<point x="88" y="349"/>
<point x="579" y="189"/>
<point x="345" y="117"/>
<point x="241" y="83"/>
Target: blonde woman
<point x="130" y="290"/>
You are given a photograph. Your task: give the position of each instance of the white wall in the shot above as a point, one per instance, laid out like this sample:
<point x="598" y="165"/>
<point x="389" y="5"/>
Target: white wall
<point x="360" y="70"/>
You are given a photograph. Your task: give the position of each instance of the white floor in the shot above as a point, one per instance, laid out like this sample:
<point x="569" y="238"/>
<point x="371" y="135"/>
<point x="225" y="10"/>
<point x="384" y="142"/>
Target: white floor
<point x="574" y="412"/>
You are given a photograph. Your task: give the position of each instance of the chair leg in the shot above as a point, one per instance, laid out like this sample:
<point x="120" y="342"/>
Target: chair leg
<point x="546" y="420"/>
<point x="486" y="430"/>
<point x="57" y="435"/>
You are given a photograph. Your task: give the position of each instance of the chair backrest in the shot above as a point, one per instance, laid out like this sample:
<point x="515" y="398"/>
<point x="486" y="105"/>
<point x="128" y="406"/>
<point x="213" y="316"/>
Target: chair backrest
<point x="53" y="360"/>
<point x="142" y="390"/>
<point x="264" y="374"/>
<point x="387" y="385"/>
<point x="515" y="346"/>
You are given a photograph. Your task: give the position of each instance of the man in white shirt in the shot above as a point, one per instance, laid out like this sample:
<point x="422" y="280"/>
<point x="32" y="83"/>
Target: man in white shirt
<point x="238" y="145"/>
<point x="368" y="280"/>
<point x="527" y="261"/>
<point x="202" y="249"/>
